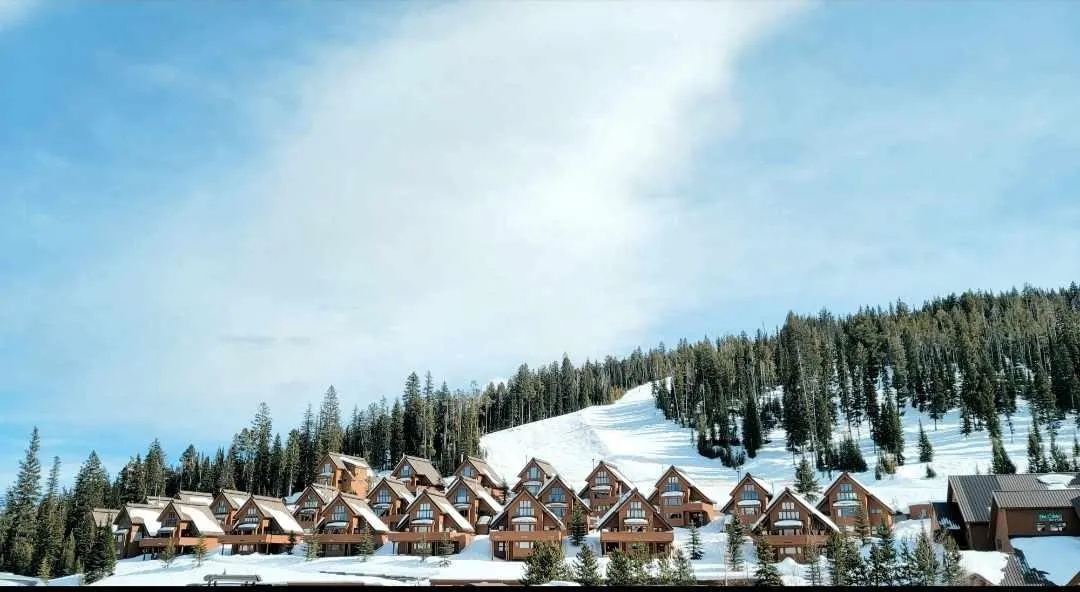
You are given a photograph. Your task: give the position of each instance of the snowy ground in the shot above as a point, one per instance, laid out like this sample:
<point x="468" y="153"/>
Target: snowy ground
<point x="634" y="435"/>
<point x="1057" y="557"/>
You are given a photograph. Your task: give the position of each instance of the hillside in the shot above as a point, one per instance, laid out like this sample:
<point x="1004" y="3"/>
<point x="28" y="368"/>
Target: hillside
<point x="633" y="434"/>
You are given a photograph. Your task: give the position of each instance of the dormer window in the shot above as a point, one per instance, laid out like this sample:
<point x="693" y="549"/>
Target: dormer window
<point x="406" y="470"/>
<point x="673" y="483"/>
<point x="251" y="516"/>
<point x="468" y="471"/>
<point x="221" y="509"/>
<point x="462" y="496"/>
<point x="339" y="514"/>
<point x="601" y="478"/>
<point x="425" y="513"/>
<point x="326" y="470"/>
<point x="558" y="496"/>
<point x="170" y="521"/>
<point x="534" y="474"/>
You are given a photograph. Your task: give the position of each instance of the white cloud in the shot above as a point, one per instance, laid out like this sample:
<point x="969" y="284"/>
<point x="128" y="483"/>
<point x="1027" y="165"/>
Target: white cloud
<point x="483" y="187"/>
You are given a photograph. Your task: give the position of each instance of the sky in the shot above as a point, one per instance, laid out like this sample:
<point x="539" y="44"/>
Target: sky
<point x="204" y="206"/>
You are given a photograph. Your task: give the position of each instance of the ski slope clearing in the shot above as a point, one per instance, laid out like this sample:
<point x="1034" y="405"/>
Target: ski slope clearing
<point x="633" y="434"/>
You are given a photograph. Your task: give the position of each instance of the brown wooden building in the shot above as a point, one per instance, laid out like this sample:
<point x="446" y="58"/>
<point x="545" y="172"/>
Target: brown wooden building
<point x="182" y="524"/>
<point x="428" y="520"/>
<point x="132" y="524"/>
<point x="350" y="474"/>
<point x="474" y="502"/>
<point x="604" y="487"/>
<point x="477" y="468"/>
<point x="523" y="522"/>
<point x="559" y="497"/>
<point x="1039" y="513"/>
<point x="843" y="498"/>
<point x="533" y="475"/>
<point x="790" y="523"/>
<point x="633" y="521"/>
<point x="263" y="525"/>
<point x="681" y="501"/>
<point x="748" y="498"/>
<point x="342" y="525"/>
<point x="311" y="503"/>
<point x="969" y="499"/>
<point x="225" y="505"/>
<point x="417" y="473"/>
<point x="390" y="498"/>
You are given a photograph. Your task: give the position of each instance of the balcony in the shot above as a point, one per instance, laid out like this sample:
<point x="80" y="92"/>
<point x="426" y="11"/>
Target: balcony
<point x="554" y="536"/>
<point x="162" y="542"/>
<point x="256" y="539"/>
<point x="796" y="540"/>
<point x="430" y="537"/>
<point x="523" y="519"/>
<point x="637" y="537"/>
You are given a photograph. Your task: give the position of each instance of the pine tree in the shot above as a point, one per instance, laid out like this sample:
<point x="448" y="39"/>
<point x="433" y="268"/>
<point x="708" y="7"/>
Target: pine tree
<point x="665" y="573"/>
<point x="311" y="548"/>
<point x="108" y="546"/>
<point x="839" y="562"/>
<point x="926" y="450"/>
<point x="813" y="569"/>
<point x="907" y="571"/>
<point x="850" y="457"/>
<point x="445" y="549"/>
<point x="366" y="548"/>
<point x="619" y="569"/>
<point x="806" y="482"/>
<point x="696" y="550"/>
<point x="1036" y="461"/>
<point x="751" y="427"/>
<point x="862" y="523"/>
<point x="578" y="525"/>
<point x="96" y="563"/>
<point x="200" y="550"/>
<point x="50" y="527"/>
<point x="291" y="544"/>
<point x="1001" y="464"/>
<point x="735" y="532"/>
<point x="169" y="553"/>
<point x="951" y="572"/>
<point x="44" y="572"/>
<point x="766" y="573"/>
<point x="544" y="565"/>
<point x="67" y="556"/>
<point x="683" y="570"/>
<point x="586" y="569"/>
<point x="22" y="508"/>
<point x="883" y="556"/>
<point x="926" y="566"/>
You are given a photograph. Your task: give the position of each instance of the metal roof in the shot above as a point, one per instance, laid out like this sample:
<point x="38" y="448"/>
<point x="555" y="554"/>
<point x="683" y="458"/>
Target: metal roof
<point x="974" y="492"/>
<point x="1037" y="499"/>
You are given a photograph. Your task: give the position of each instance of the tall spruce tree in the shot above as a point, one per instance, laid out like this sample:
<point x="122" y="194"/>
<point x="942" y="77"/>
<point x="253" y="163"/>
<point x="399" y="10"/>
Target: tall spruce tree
<point x="578" y="525"/>
<point x="926" y="450"/>
<point x="766" y="573"/>
<point x="695" y="548"/>
<point x="806" y="482"/>
<point x="586" y="569"/>
<point x="951" y="572"/>
<point x="735" y="532"/>
<point x="22" y="508"/>
<point x="1001" y="464"/>
<point x="544" y="564"/>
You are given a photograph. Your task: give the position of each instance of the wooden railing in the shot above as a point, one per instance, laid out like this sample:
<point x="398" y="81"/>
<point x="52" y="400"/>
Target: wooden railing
<point x="553" y="536"/>
<point x="644" y="537"/>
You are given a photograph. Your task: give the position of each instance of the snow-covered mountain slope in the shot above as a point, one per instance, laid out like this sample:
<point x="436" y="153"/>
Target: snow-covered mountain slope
<point x="633" y="434"/>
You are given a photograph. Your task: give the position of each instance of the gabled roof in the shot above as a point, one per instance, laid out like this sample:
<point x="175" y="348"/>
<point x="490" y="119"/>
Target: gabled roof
<point x="274" y="509"/>
<point x="738" y="486"/>
<point x="543" y="465"/>
<point x="974" y="492"/>
<point x="484" y="468"/>
<point x="439" y="501"/>
<point x="395" y="485"/>
<point x="1037" y="499"/>
<point x="233" y="497"/>
<point x="625" y="499"/>
<point x="422" y="466"/>
<point x="558" y="479"/>
<point x="685" y="477"/>
<point x="325" y="493"/>
<point x="477" y="490"/>
<point x="344" y="461"/>
<point x="612" y="470"/>
<point x="359" y="507"/>
<point x="802" y="501"/>
<point x="525" y="492"/>
<point x="197" y="514"/>
<point x="104" y="516"/>
<point x="144" y="514"/>
<point x="194" y="497"/>
<point x="159" y="501"/>
<point x="850" y="477"/>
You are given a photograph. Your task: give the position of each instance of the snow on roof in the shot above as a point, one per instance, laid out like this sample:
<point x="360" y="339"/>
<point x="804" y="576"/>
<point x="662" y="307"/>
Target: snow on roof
<point x="199" y="515"/>
<point x="615" y="471"/>
<point x="234" y="497"/>
<point x="865" y="488"/>
<point x="292" y="498"/>
<point x="444" y="507"/>
<point x="195" y="497"/>
<point x="397" y="486"/>
<point x="1049" y="555"/>
<point x="1057" y="480"/>
<point x="556" y="478"/>
<point x="824" y="519"/>
<point x="422" y="466"/>
<point x="274" y="509"/>
<point x="482" y="466"/>
<point x="987" y="564"/>
<point x="341" y="461"/>
<point x="521" y="492"/>
<point x="615" y="507"/>
<point x="144" y="514"/>
<point x="689" y="482"/>
<point x="159" y="501"/>
<point x="104" y="516"/>
<point x="359" y="507"/>
<point x="325" y="493"/>
<point x="478" y="490"/>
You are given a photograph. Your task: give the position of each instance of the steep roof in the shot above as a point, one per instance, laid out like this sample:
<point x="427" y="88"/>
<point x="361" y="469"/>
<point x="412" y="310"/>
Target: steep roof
<point x="397" y="486"/>
<point x="359" y="507"/>
<point x="324" y="492"/>
<point x="558" y="479"/>
<point x="104" y="516"/>
<point x="612" y="470"/>
<point x="615" y="507"/>
<point x="738" y="486"/>
<point x="625" y="499"/>
<point x="545" y="466"/>
<point x="197" y="514"/>
<point x="344" y="461"/>
<point x="836" y="482"/>
<point x="444" y="506"/>
<point x="274" y="509"/>
<point x="159" y="501"/>
<point x="422" y="466"/>
<point x="477" y="490"/>
<point x="802" y="501"/>
<point x="235" y="498"/>
<point x="543" y="508"/>
<point x="194" y="497"/>
<point x="144" y="514"/>
<point x="484" y="468"/>
<point x="685" y="477"/>
<point x="974" y="492"/>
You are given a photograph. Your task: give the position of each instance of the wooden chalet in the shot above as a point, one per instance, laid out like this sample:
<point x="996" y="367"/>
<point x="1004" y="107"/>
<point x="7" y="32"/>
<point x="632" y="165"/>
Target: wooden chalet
<point x="533" y="475"/>
<point x="790" y="523"/>
<point x="344" y="521"/>
<point x="182" y="523"/>
<point x="523" y="522"/>
<point x="681" y="501"/>
<point x="225" y="505"/>
<point x="1039" y="513"/>
<point x="477" y="468"/>
<point x="311" y="503"/>
<point x="604" y="487"/>
<point x="428" y="521"/>
<point x="843" y="498"/>
<point x="132" y="524"/>
<point x="474" y="502"/>
<point x="969" y="508"/>
<point x="341" y="472"/>
<point x="417" y="473"/>
<point x="262" y="525"/>
<point x="559" y="497"/>
<point x="634" y="522"/>
<point x="389" y="498"/>
<point x="748" y="498"/>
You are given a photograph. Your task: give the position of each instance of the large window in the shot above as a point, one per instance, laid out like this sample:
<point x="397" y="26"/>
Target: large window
<point x="383" y="497"/>
<point x="788" y="511"/>
<point x="534" y="474"/>
<point x="673" y="483"/>
<point x="635" y="511"/>
<point x="311" y="503"/>
<point x="468" y="471"/>
<point x="221" y="508"/>
<point x="846" y="493"/>
<point x="251" y="516"/>
<point x="462" y="496"/>
<point x="524" y="544"/>
<point x="601" y="478"/>
<point x="846" y="512"/>
<point x="525" y="508"/>
<point x="406" y="470"/>
<point x="749" y="511"/>
<point x="559" y="512"/>
<point x="749" y="493"/>
<point x="425" y="512"/>
<point x="338" y="514"/>
<point x="170" y="521"/>
<point x="558" y="496"/>
<point x="524" y="527"/>
<point x="672" y="501"/>
<point x="327" y="470"/>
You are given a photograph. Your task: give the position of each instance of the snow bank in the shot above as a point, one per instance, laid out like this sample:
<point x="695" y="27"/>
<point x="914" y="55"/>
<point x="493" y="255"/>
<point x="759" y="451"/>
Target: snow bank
<point x="1058" y="557"/>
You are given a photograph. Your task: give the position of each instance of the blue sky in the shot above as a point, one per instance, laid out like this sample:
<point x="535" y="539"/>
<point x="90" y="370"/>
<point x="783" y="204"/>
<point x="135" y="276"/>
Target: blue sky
<point x="207" y="206"/>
